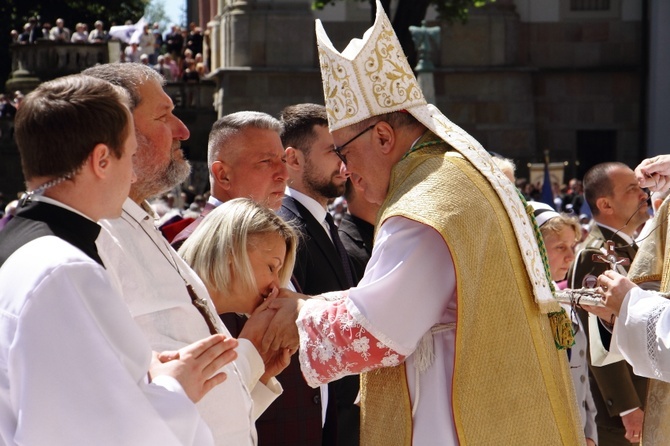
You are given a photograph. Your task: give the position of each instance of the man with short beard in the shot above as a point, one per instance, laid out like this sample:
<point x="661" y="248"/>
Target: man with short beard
<point x="316" y="175"/>
<point x="164" y="295"/>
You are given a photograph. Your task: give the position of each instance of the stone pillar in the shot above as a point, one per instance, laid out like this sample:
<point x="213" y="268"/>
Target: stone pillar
<point x="264" y="33"/>
<point x="489" y="38"/>
<point x="214" y="42"/>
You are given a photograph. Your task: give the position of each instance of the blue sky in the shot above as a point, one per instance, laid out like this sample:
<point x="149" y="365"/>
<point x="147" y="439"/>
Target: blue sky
<point x="174" y="10"/>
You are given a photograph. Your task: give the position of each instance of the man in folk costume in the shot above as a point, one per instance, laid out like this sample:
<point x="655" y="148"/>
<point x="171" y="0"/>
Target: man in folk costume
<point x="643" y="319"/>
<point x="619" y="207"/>
<point x="451" y="320"/>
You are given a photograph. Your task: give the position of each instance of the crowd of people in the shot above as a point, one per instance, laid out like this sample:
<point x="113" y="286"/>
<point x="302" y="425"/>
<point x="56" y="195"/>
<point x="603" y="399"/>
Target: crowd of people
<point x="177" y="54"/>
<point x="247" y="316"/>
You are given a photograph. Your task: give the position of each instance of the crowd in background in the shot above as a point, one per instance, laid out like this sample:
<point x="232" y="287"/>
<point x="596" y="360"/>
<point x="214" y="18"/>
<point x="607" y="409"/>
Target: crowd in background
<point x="177" y="54"/>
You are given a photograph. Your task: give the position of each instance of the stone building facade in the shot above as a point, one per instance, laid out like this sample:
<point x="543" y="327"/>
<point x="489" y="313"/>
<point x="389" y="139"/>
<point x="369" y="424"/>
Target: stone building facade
<point x="523" y="76"/>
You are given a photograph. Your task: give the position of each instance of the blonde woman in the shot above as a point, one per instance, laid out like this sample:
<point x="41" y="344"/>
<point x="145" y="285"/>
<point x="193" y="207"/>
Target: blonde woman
<point x="561" y="234"/>
<point x="244" y="253"/>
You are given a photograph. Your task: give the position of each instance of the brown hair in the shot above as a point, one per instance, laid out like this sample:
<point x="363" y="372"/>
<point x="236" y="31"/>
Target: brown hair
<point x="299" y="121"/>
<point x="60" y="123"/>
<point x="597" y="183"/>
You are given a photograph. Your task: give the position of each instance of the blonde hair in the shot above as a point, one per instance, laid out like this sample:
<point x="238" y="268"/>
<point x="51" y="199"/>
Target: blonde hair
<point x="219" y="245"/>
<point x="556" y="224"/>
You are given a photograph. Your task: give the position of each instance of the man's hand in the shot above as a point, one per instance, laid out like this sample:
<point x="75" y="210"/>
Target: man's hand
<point x="614" y="287"/>
<point x="195" y="366"/>
<point x="633" y="424"/>
<point x="654" y="173"/>
<point x="603" y="313"/>
<point x="282" y="332"/>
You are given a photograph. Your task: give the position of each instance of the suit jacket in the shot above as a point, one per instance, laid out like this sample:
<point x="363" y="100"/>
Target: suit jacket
<point x="357" y="236"/>
<point x="188" y="230"/>
<point x="318" y="270"/>
<point x="615" y="387"/>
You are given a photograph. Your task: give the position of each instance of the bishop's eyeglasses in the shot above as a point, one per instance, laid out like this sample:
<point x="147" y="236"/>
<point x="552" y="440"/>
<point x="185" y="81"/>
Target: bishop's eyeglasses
<point x="338" y="149"/>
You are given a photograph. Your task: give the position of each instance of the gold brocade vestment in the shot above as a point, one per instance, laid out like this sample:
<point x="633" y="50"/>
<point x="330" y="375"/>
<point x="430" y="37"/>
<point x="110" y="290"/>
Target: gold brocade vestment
<point x="651" y="265"/>
<point x="511" y="385"/>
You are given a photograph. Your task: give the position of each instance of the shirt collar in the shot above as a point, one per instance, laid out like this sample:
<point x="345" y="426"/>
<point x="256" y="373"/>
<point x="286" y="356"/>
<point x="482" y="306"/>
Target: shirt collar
<point x="313" y="206"/>
<point x="137" y="213"/>
<point x="628" y="239"/>
<point x="214" y="201"/>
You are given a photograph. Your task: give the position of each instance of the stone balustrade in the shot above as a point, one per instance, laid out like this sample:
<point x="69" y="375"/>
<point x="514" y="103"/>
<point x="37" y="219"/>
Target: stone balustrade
<point x="47" y="60"/>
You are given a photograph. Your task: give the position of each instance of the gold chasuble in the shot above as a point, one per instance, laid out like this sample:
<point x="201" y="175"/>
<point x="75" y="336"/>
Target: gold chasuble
<point x="651" y="265"/>
<point x="511" y="385"/>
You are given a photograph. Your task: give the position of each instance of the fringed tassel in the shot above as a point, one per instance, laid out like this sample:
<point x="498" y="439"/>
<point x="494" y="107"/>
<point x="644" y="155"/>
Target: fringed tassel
<point x="424" y="354"/>
<point x="561" y="325"/>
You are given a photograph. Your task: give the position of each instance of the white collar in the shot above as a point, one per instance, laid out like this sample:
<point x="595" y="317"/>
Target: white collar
<point x="214" y="201"/>
<point x="627" y="238"/>
<point x="313" y="206"/>
<point x="138" y="213"/>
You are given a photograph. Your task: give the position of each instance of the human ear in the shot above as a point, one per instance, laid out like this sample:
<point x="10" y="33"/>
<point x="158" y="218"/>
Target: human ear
<point x="603" y="204"/>
<point x="294" y="158"/>
<point x="384" y="136"/>
<point x="221" y="173"/>
<point x="100" y="160"/>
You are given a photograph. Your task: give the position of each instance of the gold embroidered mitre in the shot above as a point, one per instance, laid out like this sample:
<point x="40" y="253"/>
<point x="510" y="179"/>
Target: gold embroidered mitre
<point x="372" y="77"/>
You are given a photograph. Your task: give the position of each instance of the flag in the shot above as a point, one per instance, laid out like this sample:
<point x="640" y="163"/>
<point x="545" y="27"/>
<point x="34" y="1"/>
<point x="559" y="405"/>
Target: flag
<point x="547" y="194"/>
<point x="128" y="33"/>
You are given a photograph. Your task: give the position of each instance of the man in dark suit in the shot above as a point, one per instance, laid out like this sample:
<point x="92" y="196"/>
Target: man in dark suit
<point x="357" y="228"/>
<point x="245" y="158"/>
<point x="316" y="175"/>
<point x="619" y="207"/>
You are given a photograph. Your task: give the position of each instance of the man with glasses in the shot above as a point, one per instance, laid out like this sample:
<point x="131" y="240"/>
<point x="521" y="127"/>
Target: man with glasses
<point x="453" y="326"/>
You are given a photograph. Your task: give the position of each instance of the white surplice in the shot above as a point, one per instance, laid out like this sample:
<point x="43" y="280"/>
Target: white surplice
<point x="642" y="333"/>
<point x="73" y="363"/>
<point x="143" y="263"/>
<point x="408" y="287"/>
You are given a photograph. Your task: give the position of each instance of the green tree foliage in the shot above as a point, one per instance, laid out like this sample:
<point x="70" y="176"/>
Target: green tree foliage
<point x="15" y="13"/>
<point x="412" y="12"/>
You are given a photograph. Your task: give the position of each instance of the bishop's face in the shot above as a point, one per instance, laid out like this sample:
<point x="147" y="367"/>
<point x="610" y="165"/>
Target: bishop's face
<point x="368" y="166"/>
